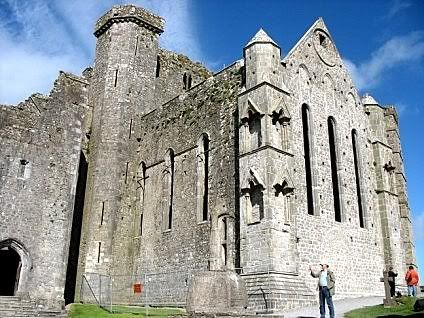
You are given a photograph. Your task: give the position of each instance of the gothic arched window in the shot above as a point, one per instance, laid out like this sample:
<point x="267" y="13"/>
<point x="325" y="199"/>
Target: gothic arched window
<point x="168" y="187"/>
<point x="202" y="155"/>
<point x="306" y="123"/>
<point x="358" y="175"/>
<point x="332" y="139"/>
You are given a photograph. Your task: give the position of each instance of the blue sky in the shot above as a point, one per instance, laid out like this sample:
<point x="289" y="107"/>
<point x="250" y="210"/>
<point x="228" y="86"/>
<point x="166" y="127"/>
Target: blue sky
<point x="381" y="41"/>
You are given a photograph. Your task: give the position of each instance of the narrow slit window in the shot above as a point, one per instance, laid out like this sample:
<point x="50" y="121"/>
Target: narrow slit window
<point x="224" y="242"/>
<point x="202" y="177"/>
<point x="130" y="130"/>
<point x="116" y="78"/>
<point x="136" y="46"/>
<point x="308" y="160"/>
<point x="189" y="81"/>
<point x="185" y="81"/>
<point x="168" y="189"/>
<point x="98" y="252"/>
<point x="358" y="177"/>
<point x="332" y="139"/>
<point x="103" y="213"/>
<point x="141" y="190"/>
<point x="126" y="172"/>
<point x="24" y="169"/>
<point x="157" y="66"/>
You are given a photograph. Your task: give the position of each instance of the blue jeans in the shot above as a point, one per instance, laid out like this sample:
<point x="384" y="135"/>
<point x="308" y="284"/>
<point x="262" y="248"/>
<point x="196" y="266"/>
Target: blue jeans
<point x="412" y="291"/>
<point x="324" y="296"/>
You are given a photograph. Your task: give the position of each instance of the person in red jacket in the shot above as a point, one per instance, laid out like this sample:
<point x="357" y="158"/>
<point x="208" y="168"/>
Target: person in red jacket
<point x="411" y="278"/>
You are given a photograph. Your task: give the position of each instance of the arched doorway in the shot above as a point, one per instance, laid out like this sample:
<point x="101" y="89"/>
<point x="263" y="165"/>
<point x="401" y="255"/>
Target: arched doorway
<point x="15" y="267"/>
<point x="10" y="270"/>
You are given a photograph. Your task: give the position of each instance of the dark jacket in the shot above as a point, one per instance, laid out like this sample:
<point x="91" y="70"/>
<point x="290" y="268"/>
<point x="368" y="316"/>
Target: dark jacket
<point x="391" y="277"/>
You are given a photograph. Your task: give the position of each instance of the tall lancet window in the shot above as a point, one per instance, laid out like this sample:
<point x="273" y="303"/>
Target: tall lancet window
<point x="141" y="190"/>
<point x="168" y="189"/>
<point x="332" y="139"/>
<point x="202" y="155"/>
<point x="306" y="123"/>
<point x="358" y="176"/>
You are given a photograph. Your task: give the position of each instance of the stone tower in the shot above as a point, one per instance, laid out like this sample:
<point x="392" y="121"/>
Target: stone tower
<point x="122" y="87"/>
<point x="266" y="186"/>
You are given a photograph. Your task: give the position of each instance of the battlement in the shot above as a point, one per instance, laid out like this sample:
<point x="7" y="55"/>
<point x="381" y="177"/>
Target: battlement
<point x="129" y="13"/>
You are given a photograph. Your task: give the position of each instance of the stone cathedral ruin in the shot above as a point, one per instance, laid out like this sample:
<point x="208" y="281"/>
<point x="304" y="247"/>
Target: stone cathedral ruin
<point x="148" y="162"/>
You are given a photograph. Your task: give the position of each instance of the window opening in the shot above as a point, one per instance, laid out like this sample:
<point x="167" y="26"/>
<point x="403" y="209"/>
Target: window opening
<point x="307" y="153"/>
<point x="357" y="177"/>
<point x="116" y="78"/>
<point x="334" y="169"/>
<point x="157" y="66"/>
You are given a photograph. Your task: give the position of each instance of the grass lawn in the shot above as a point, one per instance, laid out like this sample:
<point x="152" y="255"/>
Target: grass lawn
<point x="92" y="311"/>
<point x="405" y="308"/>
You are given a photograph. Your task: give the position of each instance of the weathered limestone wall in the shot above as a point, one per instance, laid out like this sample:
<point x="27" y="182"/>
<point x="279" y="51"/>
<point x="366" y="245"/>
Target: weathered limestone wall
<point x="40" y="150"/>
<point x="316" y="76"/>
<point x="206" y="109"/>
<point x="176" y="73"/>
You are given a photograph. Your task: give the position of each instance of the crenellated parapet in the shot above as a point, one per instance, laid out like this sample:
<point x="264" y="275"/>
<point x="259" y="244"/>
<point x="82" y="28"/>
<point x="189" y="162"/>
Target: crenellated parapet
<point x="129" y="13"/>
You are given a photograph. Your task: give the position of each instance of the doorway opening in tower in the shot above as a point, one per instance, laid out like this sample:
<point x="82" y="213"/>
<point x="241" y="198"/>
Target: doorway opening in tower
<point x="71" y="272"/>
<point x="10" y="269"/>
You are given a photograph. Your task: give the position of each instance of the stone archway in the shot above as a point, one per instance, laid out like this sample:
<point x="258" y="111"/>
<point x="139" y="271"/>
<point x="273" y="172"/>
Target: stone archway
<point x="15" y="265"/>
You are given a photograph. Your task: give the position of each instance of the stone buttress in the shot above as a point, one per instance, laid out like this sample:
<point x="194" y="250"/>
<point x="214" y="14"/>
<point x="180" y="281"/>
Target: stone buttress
<point x="267" y="233"/>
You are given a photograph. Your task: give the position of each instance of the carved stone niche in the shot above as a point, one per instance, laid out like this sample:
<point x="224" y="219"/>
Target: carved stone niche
<point x="284" y="194"/>
<point x="280" y="119"/>
<point x="250" y="126"/>
<point x="252" y="202"/>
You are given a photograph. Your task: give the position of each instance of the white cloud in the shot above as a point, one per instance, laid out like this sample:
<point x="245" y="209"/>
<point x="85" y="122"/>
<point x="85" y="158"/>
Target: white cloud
<point x="396" y="6"/>
<point x="38" y="38"/>
<point x="418" y="225"/>
<point x="394" y="52"/>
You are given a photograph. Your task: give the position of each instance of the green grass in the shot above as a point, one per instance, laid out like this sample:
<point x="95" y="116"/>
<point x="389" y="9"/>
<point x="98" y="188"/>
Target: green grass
<point x="404" y="308"/>
<point x="93" y="311"/>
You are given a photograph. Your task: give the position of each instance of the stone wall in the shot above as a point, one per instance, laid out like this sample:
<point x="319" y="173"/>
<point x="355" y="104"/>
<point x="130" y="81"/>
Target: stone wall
<point x="175" y="73"/>
<point x="40" y="151"/>
<point x="189" y="171"/>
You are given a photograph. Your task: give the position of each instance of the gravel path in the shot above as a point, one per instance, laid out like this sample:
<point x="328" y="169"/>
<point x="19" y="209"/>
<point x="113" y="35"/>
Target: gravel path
<point x="341" y="307"/>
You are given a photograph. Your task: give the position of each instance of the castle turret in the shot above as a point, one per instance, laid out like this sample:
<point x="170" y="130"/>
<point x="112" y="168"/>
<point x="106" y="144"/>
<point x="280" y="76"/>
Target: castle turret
<point x="262" y="59"/>
<point x="122" y="88"/>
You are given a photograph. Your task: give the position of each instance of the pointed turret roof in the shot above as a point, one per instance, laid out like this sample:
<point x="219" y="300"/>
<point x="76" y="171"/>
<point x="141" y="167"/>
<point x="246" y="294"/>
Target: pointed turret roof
<point x="368" y="100"/>
<point x="261" y="37"/>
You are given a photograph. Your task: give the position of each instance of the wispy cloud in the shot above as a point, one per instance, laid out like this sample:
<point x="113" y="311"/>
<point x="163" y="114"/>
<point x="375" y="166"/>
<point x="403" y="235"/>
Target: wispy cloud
<point x="393" y="53"/>
<point x="397" y="6"/>
<point x="38" y="38"/>
<point x="418" y="225"/>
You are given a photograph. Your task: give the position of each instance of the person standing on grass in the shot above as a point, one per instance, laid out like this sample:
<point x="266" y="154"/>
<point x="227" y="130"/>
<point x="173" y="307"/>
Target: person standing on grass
<point x="326" y="288"/>
<point x="412" y="279"/>
<point x="392" y="281"/>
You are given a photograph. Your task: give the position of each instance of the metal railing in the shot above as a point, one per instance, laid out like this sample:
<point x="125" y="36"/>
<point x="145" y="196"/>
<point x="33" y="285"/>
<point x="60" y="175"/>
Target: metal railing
<point x="115" y="293"/>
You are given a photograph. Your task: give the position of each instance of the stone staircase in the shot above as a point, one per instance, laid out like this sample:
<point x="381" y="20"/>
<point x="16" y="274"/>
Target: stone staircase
<point x="272" y="292"/>
<point x="18" y="307"/>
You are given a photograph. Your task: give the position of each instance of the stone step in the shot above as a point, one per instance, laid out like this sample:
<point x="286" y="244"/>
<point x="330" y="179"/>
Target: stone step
<point x="16" y="307"/>
<point x="6" y="299"/>
<point x="270" y="292"/>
